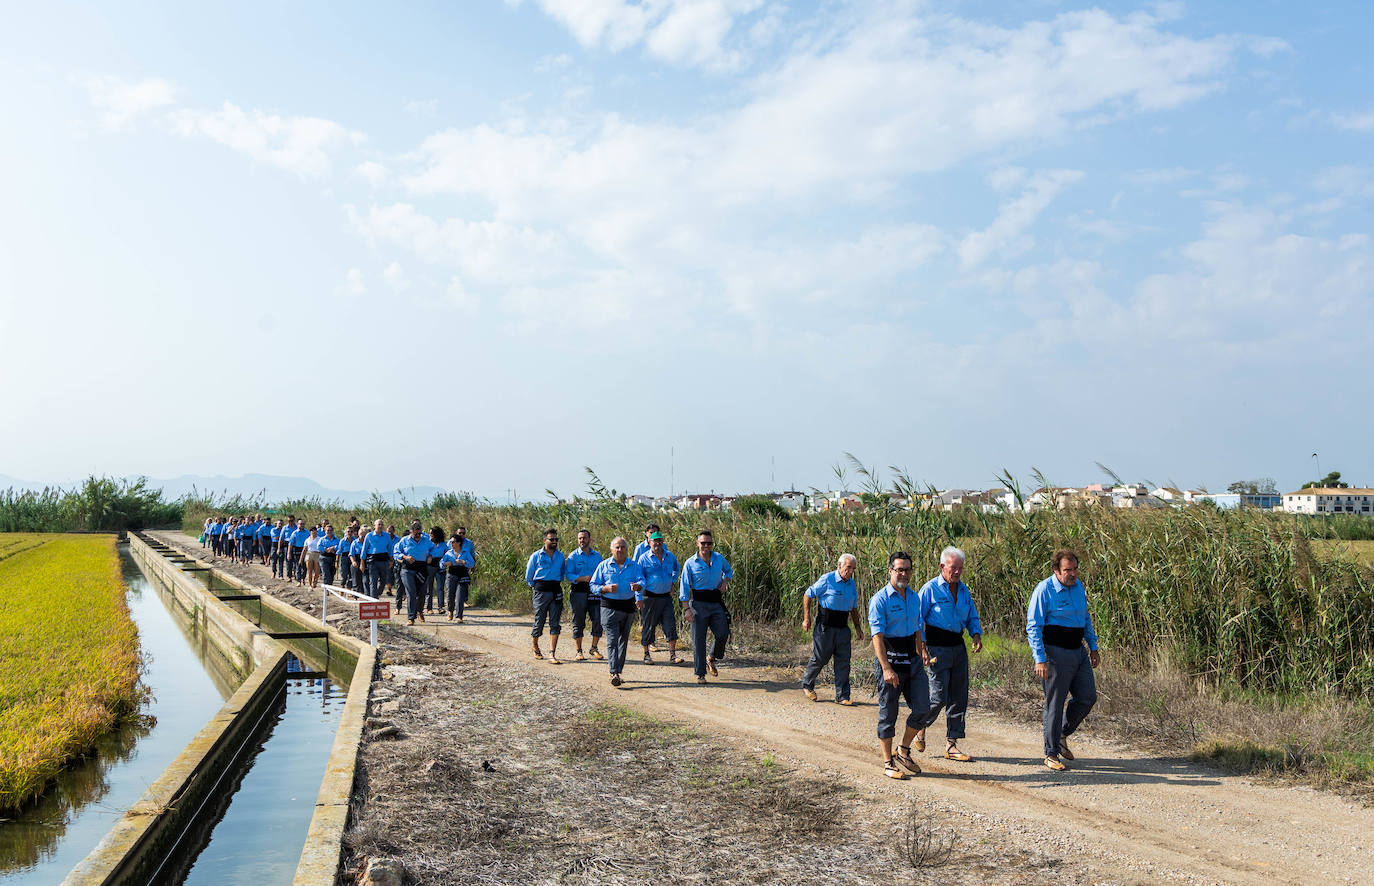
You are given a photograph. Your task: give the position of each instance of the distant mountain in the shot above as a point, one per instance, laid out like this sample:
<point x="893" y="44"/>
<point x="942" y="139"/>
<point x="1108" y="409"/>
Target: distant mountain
<point x="269" y="487"/>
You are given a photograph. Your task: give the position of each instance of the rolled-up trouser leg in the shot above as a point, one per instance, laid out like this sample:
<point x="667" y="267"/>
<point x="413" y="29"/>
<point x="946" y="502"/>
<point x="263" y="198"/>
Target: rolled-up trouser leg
<point x="378" y="571"/>
<point x="709" y="616"/>
<point x="650" y="617"/>
<point x="948" y="689"/>
<point x="293" y="557"/>
<point x="1065" y="686"/>
<point x="595" y="612"/>
<point x="578" y="601"/>
<point x="327" y="569"/>
<point x="548" y="605"/>
<point x="911" y="685"/>
<point x="414" y="583"/>
<point x="822" y="648"/>
<point x="617" y="627"/>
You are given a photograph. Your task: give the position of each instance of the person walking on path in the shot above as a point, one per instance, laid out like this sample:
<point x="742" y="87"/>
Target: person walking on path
<point x="894" y="616"/>
<point x="356" y="563"/>
<point x="457" y="564"/>
<point x="643" y="547"/>
<point x="618" y="581"/>
<point x="660" y="575"/>
<point x="295" y="555"/>
<point x="586" y="603"/>
<point x="312" y="558"/>
<point x="705" y="577"/>
<point x="413" y="552"/>
<point x="947" y="610"/>
<point x="264" y="540"/>
<point x="329" y="554"/>
<point x="434" y="582"/>
<point x="544" y="574"/>
<point x="345" y="558"/>
<point x="1057" y="623"/>
<point x="837" y="597"/>
<point x="278" y="558"/>
<point x="376" y="561"/>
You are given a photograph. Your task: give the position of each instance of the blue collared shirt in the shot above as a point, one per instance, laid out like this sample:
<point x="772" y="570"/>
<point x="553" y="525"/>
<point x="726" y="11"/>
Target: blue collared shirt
<point x="377" y="543"/>
<point x="356" y="548"/>
<point x="1053" y="604"/>
<point x="329" y="545"/>
<point x="299" y="538"/>
<point x="892" y="616"/>
<point x="417" y="548"/>
<point x="834" y="592"/>
<point x="641" y="549"/>
<point x="543" y="567"/>
<point x="698" y="575"/>
<point x="264" y="530"/>
<point x="463" y="555"/>
<point x="939" y="607"/>
<point x="276" y="532"/>
<point x="579" y="564"/>
<point x="659" y="575"/>
<point x="622" y="575"/>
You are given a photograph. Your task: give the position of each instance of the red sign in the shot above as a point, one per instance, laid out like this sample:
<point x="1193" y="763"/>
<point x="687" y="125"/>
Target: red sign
<point x="374" y="609"/>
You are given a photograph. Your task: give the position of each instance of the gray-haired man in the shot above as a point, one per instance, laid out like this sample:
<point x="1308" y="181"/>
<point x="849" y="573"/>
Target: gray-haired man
<point x="838" y="599"/>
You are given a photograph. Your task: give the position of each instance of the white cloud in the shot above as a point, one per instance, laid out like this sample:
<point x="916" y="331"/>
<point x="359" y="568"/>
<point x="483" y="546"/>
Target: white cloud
<point x="375" y="173"/>
<point x="422" y="107"/>
<point x="300" y="145"/>
<point x="1007" y="233"/>
<point x="120" y="101"/>
<point x="395" y="277"/>
<point x="682" y="32"/>
<point x="353" y="286"/>
<point x="1355" y="121"/>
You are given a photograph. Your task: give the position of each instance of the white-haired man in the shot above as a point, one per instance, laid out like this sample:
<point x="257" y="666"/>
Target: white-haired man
<point x="837" y="597"/>
<point x="947" y="610"/>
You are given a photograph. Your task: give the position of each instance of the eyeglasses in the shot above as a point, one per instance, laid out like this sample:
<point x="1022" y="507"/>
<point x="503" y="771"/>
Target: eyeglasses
<point x="899" y="568"/>
<point x="706" y="544"/>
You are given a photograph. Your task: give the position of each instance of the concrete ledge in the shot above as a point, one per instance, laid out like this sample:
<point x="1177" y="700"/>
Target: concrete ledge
<point x="134" y="849"/>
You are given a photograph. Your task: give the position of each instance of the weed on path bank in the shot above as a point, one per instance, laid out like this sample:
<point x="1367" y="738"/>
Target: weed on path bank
<point x="69" y="659"/>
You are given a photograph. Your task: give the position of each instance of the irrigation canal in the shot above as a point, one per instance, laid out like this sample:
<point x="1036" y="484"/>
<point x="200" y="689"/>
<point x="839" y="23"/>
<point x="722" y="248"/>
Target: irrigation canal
<point x="253" y="830"/>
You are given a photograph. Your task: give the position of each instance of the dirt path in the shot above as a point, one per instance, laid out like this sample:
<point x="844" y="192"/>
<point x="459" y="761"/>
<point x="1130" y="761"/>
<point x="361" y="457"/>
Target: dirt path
<point x="1128" y="818"/>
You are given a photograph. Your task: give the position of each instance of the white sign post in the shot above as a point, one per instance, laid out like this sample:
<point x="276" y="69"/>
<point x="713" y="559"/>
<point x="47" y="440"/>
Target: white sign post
<point x="368" y="609"/>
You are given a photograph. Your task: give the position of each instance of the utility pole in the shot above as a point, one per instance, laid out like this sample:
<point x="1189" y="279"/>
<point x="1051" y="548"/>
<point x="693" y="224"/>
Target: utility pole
<point x="772" y="477"/>
<point x="672" y="459"/>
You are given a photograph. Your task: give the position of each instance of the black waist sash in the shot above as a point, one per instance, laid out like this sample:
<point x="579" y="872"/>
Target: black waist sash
<point x="618" y="605"/>
<point x="834" y="618"/>
<point x="1063" y="637"/>
<point x="458" y="570"/>
<point x="548" y="585"/>
<point x="580" y="587"/>
<point x="417" y="566"/>
<point x="329" y="554"/>
<point x="298" y="549"/>
<point x="702" y="595"/>
<point x="378" y="558"/>
<point x="655" y="596"/>
<point x="937" y="636"/>
<point x="900" y="649"/>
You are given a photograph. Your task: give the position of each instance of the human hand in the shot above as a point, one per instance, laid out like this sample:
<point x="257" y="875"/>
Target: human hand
<point x="806" y="623"/>
<point x="890" y="677"/>
<point x="1095" y="658"/>
<point x="1042" y="670"/>
<point x="977" y="644"/>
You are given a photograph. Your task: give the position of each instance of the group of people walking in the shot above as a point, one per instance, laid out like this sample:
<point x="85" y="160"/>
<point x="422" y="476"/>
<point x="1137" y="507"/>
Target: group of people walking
<point x="917" y="636"/>
<point x="433" y="569"/>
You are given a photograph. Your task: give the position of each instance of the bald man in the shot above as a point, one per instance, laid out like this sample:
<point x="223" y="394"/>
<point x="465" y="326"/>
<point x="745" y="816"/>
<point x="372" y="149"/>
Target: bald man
<point x="837" y="598"/>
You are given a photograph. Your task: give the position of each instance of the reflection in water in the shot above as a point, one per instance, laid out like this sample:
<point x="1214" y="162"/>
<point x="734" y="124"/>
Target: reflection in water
<point x="189" y="683"/>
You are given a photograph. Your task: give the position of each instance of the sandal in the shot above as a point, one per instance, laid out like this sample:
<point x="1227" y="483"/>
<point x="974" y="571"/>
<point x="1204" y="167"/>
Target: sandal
<point x="580" y="656"/>
<point x="903" y="756"/>
<point x="711" y="666"/>
<point x="648" y="659"/>
<point x="596" y="654"/>
<point x="674" y="659"/>
<point x="953" y="753"/>
<point x="920" y="743"/>
<point x="810" y="693"/>
<point x="891" y="771"/>
<point x="701" y="681"/>
<point x="1064" y="750"/>
<point x="1055" y="763"/>
<point x="615" y="679"/>
<point x="537" y="654"/>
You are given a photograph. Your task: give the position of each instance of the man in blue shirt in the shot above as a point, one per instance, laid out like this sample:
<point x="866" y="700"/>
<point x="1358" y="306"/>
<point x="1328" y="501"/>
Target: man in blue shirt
<point x="894" y="616"/>
<point x="578" y="569"/>
<point x="705" y="577"/>
<point x="947" y="610"/>
<point x="1057" y="623"/>
<point x="329" y="554"/>
<point x="413" y="552"/>
<point x="295" y="559"/>
<point x="660" y="574"/>
<point x="618" y="581"/>
<point x="838" y="599"/>
<point x="643" y="547"/>
<point x="376" y="561"/>
<point x="544" y="575"/>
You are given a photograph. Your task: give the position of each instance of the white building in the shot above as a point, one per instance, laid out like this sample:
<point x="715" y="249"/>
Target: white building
<point x="1329" y="501"/>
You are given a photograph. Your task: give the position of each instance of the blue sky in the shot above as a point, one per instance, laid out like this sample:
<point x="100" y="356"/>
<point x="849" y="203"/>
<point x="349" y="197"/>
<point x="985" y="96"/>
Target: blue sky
<point x="482" y="245"/>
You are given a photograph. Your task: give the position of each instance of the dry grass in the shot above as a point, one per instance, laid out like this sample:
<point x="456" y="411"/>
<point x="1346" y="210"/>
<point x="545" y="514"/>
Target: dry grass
<point x="69" y="660"/>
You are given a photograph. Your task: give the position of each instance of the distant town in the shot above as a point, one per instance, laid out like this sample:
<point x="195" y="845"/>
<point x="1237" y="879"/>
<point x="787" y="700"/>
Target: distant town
<point x="1310" y="500"/>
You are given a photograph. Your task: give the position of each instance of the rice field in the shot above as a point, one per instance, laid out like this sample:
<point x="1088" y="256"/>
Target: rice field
<point x="69" y="658"/>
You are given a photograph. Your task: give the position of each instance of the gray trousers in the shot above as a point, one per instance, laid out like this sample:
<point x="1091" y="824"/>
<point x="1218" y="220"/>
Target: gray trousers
<point x="828" y="643"/>
<point x="434" y="587"/>
<point x="583" y="606"/>
<point x="657" y="611"/>
<point x="911" y="685"/>
<point x="617" y="627"/>
<point x="948" y="689"/>
<point x="709" y="616"/>
<point x="413" y="580"/>
<point x="1071" y="680"/>
<point x="548" y="605"/>
<point x="378" y="571"/>
<point x="456" y="589"/>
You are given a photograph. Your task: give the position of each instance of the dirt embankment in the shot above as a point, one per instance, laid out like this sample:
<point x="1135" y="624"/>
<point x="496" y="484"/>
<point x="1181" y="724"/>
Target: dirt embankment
<point x="575" y="785"/>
